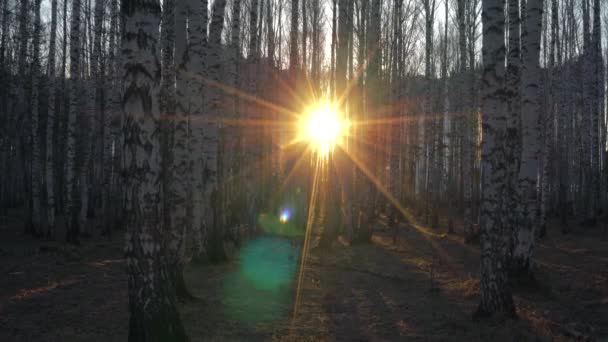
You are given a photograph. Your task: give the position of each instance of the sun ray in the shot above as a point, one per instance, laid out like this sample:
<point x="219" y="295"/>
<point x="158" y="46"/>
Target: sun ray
<point x="404" y="211"/>
<point x="298" y="162"/>
<point x="309" y="222"/>
<point x="378" y="147"/>
<point x="402" y="119"/>
<point x="291" y="143"/>
<point x="233" y="91"/>
<point x="294" y="95"/>
<point x="244" y="122"/>
<point x="351" y="83"/>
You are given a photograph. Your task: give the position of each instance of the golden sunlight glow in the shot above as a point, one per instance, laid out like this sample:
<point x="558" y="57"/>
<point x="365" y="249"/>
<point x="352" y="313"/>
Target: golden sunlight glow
<point x="323" y="127"/>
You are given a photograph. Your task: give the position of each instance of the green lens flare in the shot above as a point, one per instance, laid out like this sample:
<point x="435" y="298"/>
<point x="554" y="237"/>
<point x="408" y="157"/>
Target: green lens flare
<point x="259" y="290"/>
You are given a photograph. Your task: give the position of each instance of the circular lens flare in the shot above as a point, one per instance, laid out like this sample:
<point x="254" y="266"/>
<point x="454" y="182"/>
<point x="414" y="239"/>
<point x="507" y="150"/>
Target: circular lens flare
<point x="284" y="215"/>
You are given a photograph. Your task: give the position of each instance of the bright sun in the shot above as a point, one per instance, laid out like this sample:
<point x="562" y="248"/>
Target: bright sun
<point x="323" y="127"/>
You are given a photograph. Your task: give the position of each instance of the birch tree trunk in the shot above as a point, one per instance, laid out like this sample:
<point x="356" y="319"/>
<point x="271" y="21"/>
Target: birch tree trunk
<point x="512" y="89"/>
<point x="210" y="140"/>
<point x="494" y="287"/>
<point x="293" y="38"/>
<point x="269" y="33"/>
<point x="111" y="118"/>
<point x="427" y="124"/>
<point x="3" y="61"/>
<point x="60" y="169"/>
<point x="21" y="117"/>
<point x="597" y="111"/>
<point x="235" y="67"/>
<point x="445" y="139"/>
<point x="527" y="179"/>
<point x="253" y="30"/>
<point x="174" y="149"/>
<point x="98" y="120"/>
<point x="152" y="302"/>
<point x="316" y="29"/>
<point x="71" y="165"/>
<point x="332" y="67"/>
<point x="196" y="52"/>
<point x="115" y="199"/>
<point x="50" y="125"/>
<point x="36" y="162"/>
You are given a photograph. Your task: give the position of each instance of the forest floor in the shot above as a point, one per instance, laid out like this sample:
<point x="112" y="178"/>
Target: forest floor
<point x="424" y="287"/>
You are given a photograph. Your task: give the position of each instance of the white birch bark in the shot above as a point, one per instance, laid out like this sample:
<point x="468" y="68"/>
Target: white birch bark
<point x="196" y="51"/>
<point x="152" y="301"/>
<point x="111" y="117"/>
<point x="494" y="289"/>
<point x="293" y="37"/>
<point x="597" y="110"/>
<point x="70" y="164"/>
<point x="213" y="223"/>
<point x="50" y="125"/>
<point x="179" y="187"/>
<point x="37" y="175"/>
<point x="528" y="171"/>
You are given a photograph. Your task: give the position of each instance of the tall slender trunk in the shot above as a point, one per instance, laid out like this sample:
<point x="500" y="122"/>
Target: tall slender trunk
<point x="332" y="73"/>
<point x="512" y="89"/>
<point x="526" y="211"/>
<point x="293" y="38"/>
<point x="234" y="103"/>
<point x="175" y="140"/>
<point x="50" y="127"/>
<point x="4" y="69"/>
<point x="260" y="29"/>
<point x="98" y="120"/>
<point x="197" y="30"/>
<point x="36" y="161"/>
<point x="597" y="92"/>
<point x="428" y="125"/>
<point x="270" y="34"/>
<point x="304" y="37"/>
<point x="211" y="143"/>
<point x="71" y="164"/>
<point x="110" y="140"/>
<point x="152" y="302"/>
<point x="495" y="292"/>
<point x="253" y="30"/>
<point x="315" y="61"/>
<point x="19" y="119"/>
<point x="445" y="139"/>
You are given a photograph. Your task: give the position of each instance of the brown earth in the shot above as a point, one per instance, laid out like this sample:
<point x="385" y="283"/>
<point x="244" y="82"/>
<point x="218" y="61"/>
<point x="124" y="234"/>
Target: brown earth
<point x="425" y="287"/>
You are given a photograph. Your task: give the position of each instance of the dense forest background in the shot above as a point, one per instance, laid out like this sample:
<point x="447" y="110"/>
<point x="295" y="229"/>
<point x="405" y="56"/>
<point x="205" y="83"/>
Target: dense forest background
<point x="177" y="123"/>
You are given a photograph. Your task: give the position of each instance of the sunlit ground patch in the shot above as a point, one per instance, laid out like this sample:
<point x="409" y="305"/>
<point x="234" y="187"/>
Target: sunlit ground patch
<point x="259" y="290"/>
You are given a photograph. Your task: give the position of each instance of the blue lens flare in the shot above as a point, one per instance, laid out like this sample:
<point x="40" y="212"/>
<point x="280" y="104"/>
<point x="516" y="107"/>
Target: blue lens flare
<point x="284" y="215"/>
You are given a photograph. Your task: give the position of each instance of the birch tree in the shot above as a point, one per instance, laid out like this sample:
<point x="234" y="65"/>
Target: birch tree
<point x="293" y="38"/>
<point x="50" y="125"/>
<point x="154" y="316"/>
<point x="36" y="162"/>
<point x="198" y="20"/>
<point x="512" y="89"/>
<point x="597" y="111"/>
<point x="174" y="144"/>
<point x="531" y="107"/>
<point x="210" y="141"/>
<point x="71" y="166"/>
<point x="495" y="294"/>
<point x="3" y="61"/>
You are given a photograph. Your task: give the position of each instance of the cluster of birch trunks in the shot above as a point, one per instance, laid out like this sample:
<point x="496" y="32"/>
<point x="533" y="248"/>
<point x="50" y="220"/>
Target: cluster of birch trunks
<point x="168" y="120"/>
